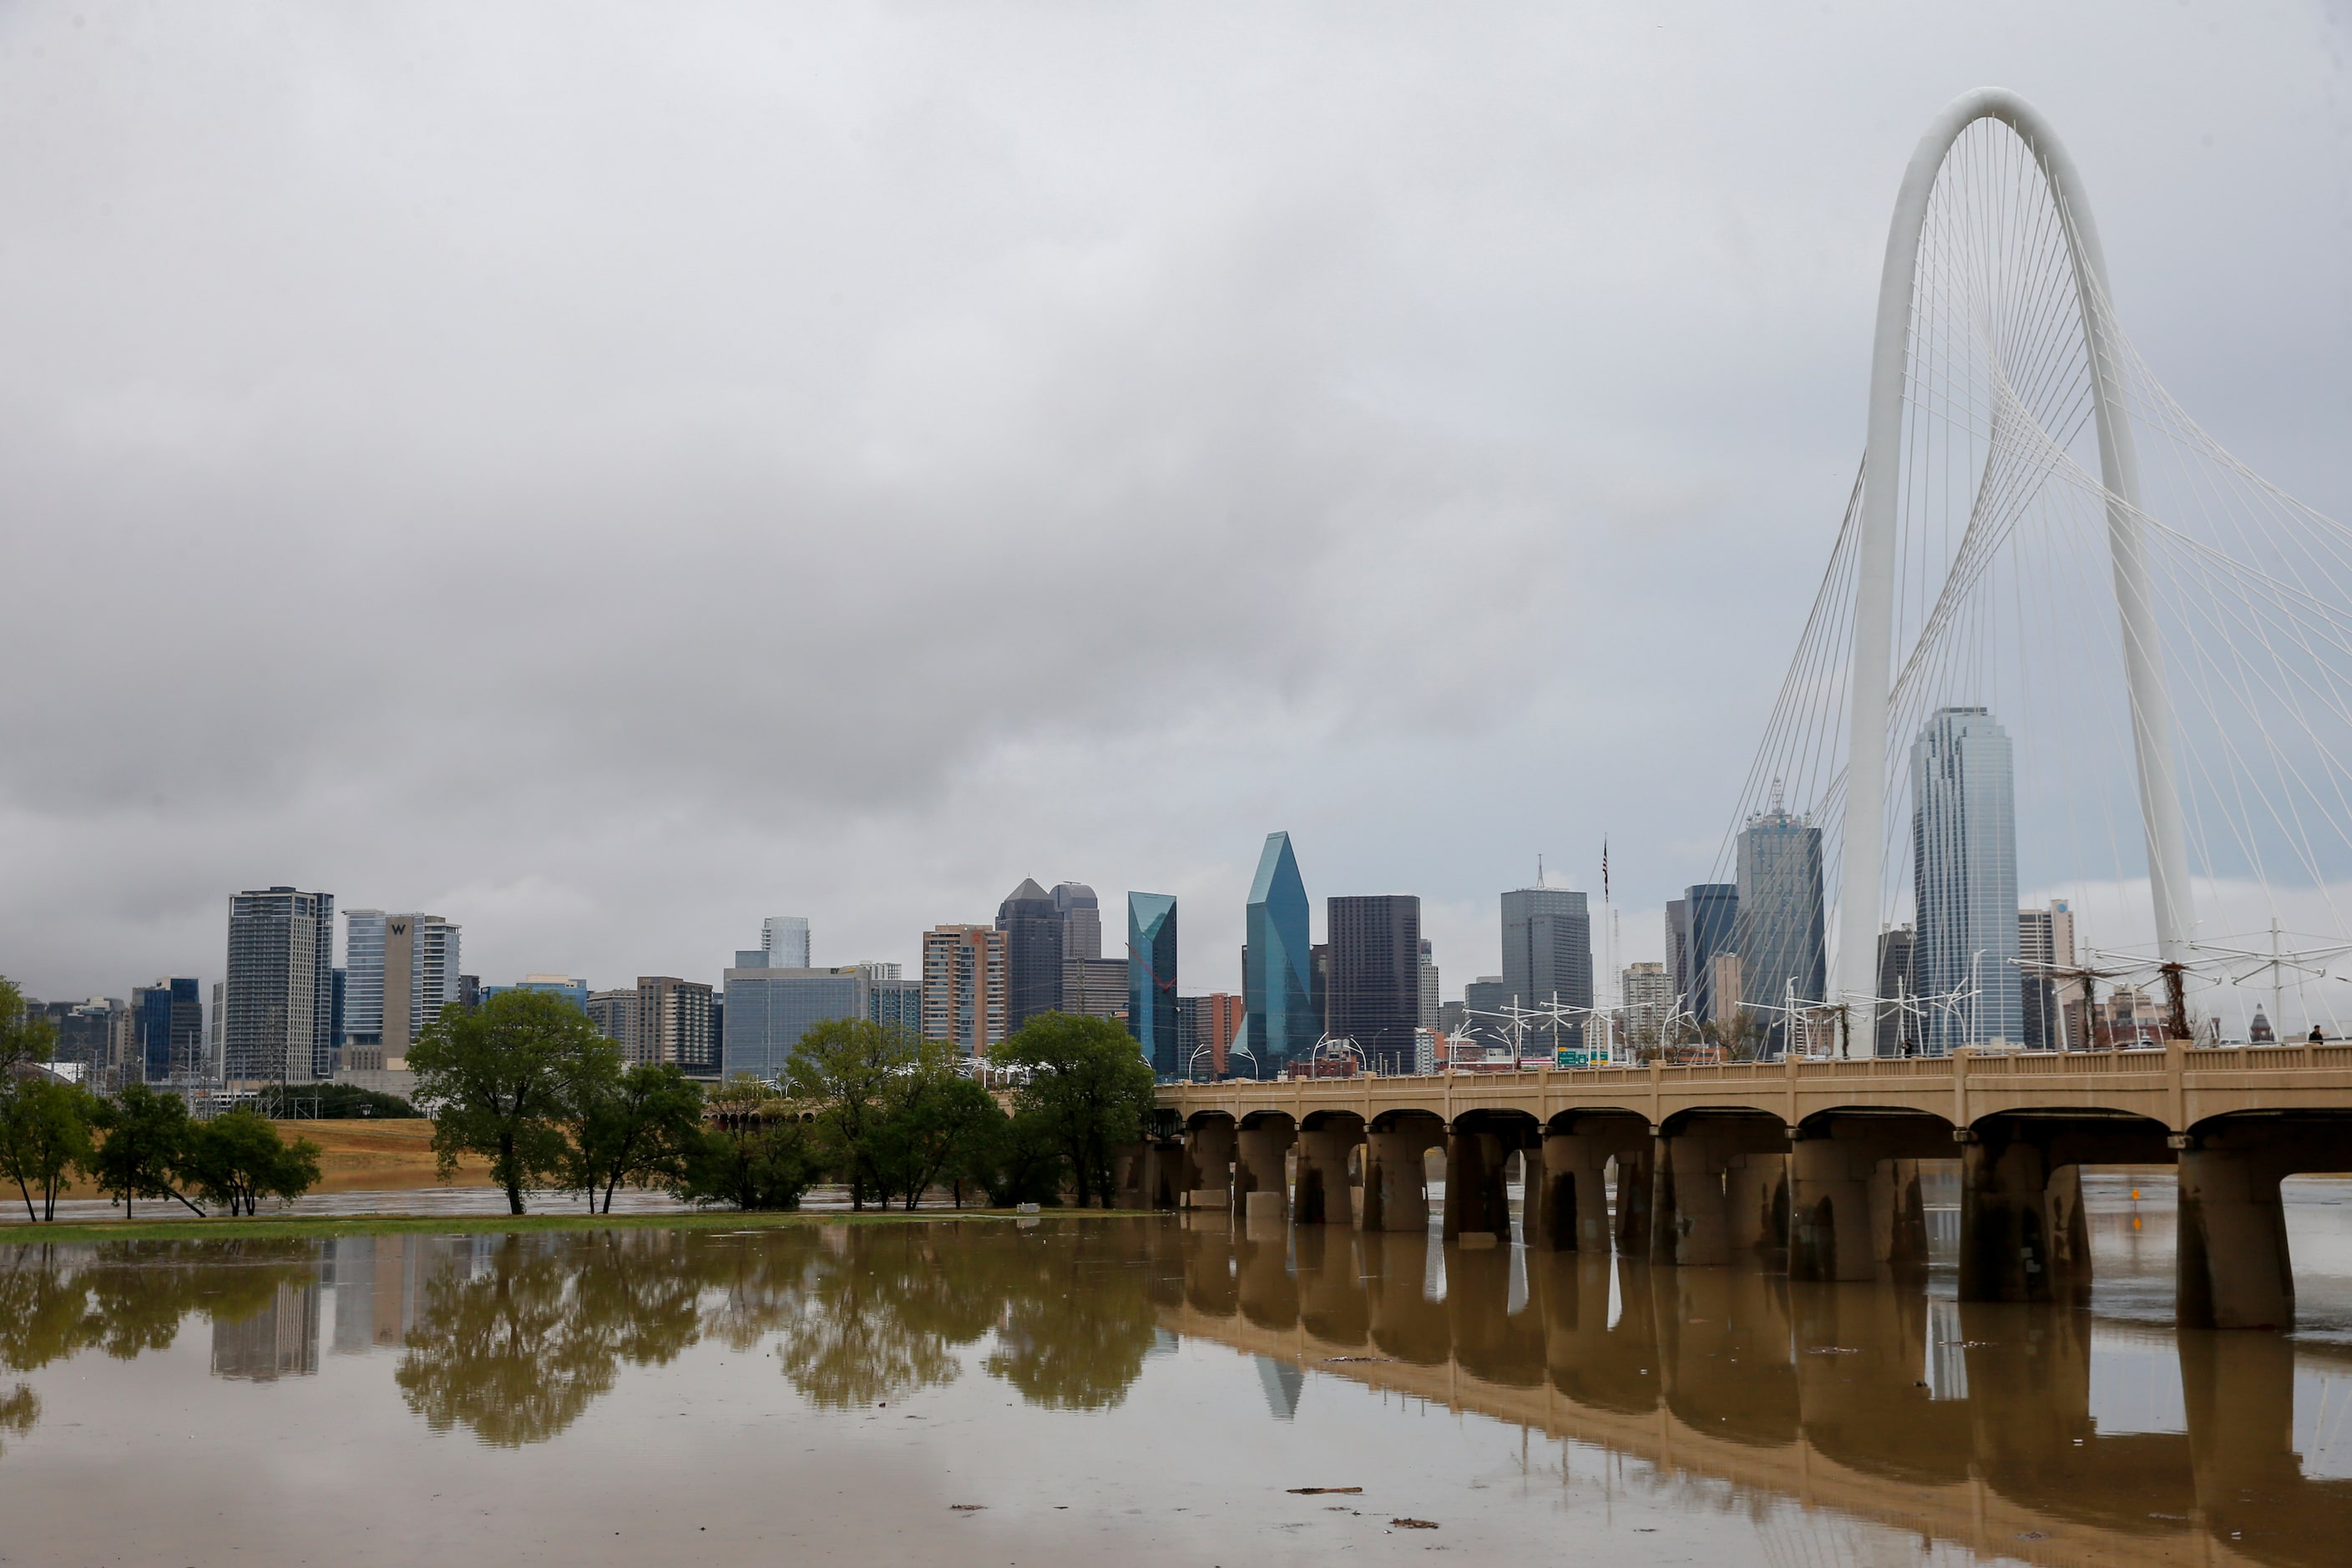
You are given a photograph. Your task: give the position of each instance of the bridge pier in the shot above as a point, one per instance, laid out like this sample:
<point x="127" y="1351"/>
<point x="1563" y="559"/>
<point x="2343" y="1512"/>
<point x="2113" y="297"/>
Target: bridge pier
<point x="1691" y="1222"/>
<point x="1209" y="1165"/>
<point x="1477" y="1189"/>
<point x="2023" y="1235"/>
<point x="1396" y="1183"/>
<point x="1854" y="1200"/>
<point x="1262" y="1188"/>
<point x="1151" y="1174"/>
<point x="1324" y="1194"/>
<point x="1564" y="1205"/>
<point x="1633" y="1176"/>
<point x="1757" y="1203"/>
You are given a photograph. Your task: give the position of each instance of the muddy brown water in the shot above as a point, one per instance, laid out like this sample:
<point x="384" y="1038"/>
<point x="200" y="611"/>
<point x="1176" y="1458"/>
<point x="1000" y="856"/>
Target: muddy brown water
<point x="1069" y="1391"/>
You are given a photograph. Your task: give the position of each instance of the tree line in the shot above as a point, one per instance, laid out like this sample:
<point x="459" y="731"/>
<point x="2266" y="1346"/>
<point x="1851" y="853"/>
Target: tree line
<point x="526" y="1083"/>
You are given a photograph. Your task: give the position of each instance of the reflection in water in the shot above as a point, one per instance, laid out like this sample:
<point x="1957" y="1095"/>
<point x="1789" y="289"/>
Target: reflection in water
<point x="1979" y="1426"/>
<point x="1874" y="1397"/>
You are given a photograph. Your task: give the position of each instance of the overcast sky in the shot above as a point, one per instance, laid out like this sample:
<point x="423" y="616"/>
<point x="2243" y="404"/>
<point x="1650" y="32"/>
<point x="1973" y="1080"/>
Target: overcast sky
<point x="607" y="474"/>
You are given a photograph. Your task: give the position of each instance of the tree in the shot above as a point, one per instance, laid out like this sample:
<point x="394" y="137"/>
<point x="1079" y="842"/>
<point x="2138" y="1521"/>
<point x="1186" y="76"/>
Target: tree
<point x="1026" y="1166"/>
<point x="638" y="1127"/>
<point x="855" y="1075"/>
<point x="238" y="1159"/>
<point x="755" y="1162"/>
<point x="23" y="1037"/>
<point x="44" y="1135"/>
<point x="941" y="1117"/>
<point x="502" y="1080"/>
<point x="1088" y="1089"/>
<point x="144" y="1148"/>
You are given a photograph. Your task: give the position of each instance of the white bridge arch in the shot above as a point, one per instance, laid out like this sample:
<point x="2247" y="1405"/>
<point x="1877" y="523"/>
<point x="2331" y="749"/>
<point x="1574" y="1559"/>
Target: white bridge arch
<point x="1854" y="978"/>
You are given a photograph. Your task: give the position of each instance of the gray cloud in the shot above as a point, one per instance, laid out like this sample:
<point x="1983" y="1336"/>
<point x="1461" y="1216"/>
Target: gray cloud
<point x="609" y="475"/>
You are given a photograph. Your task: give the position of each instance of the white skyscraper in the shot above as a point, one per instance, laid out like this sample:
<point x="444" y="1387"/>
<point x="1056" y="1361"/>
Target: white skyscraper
<point x="785" y="940"/>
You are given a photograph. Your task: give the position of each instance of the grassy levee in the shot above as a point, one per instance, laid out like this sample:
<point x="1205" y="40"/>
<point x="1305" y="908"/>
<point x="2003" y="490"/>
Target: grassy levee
<point x="280" y="1227"/>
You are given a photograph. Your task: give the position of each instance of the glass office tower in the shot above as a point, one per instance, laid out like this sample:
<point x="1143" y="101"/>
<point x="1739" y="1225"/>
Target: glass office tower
<point x="1783" y="937"/>
<point x="1151" y="1011"/>
<point x="1964" y="863"/>
<point x="1277" y="980"/>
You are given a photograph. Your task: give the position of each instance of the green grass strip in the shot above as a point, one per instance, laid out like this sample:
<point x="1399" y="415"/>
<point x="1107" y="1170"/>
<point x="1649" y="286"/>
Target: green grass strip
<point x="273" y="1228"/>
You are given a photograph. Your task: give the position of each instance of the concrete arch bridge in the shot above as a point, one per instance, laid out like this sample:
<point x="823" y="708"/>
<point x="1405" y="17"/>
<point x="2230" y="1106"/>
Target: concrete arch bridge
<point x="1813" y="1166"/>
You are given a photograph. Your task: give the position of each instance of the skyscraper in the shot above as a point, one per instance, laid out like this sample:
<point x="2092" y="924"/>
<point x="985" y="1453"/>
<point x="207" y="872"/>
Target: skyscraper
<point x="415" y="970"/>
<point x="1081" y="921"/>
<point x="1548" y="957"/>
<point x="785" y="940"/>
<point x="769" y="1008"/>
<point x="1151" y="982"/>
<point x="1783" y="936"/>
<point x="362" y="982"/>
<point x="1278" y="979"/>
<point x="167" y="1025"/>
<point x="1677" y="965"/>
<point x="1216" y="1018"/>
<point x="1649" y="1001"/>
<point x="2045" y="941"/>
<point x="1897" y="1034"/>
<point x="1711" y="927"/>
<point x="1483" y="1001"/>
<point x="1376" y="976"/>
<point x="279" y="1021"/>
<point x="674" y="1024"/>
<point x="1964" y="863"/>
<point x="1032" y="953"/>
<point x="963" y="987"/>
<point x="1431" y="1001"/>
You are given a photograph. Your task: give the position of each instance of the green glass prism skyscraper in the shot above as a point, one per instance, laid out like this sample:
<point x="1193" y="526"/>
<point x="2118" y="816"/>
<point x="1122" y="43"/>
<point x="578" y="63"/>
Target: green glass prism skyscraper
<point x="1277" y="972"/>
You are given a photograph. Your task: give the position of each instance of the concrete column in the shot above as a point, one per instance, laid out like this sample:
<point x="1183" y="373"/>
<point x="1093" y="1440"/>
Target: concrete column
<point x="1396" y="1195"/>
<point x="1209" y="1162"/>
<point x="1898" y="1216"/>
<point x="1324" y="1196"/>
<point x="2233" y="1270"/>
<point x="1566" y="1207"/>
<point x="1634" y="1167"/>
<point x="1477" y="1195"/>
<point x="1829" y="1209"/>
<point x="1261" y="1183"/>
<point x="1756" y="1202"/>
<point x="1690" y="1222"/>
<point x="2023" y="1235"/>
<point x="1163" y="1174"/>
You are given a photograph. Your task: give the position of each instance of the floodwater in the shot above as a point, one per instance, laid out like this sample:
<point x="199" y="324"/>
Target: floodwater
<point x="1147" y="1390"/>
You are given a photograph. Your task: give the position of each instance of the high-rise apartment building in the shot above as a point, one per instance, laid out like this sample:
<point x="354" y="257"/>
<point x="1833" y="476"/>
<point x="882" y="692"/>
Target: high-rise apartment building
<point x="279" y="1011"/>
<point x="1548" y="959"/>
<point x="1677" y="965"/>
<point x="674" y="1024"/>
<point x="1376" y="976"/>
<point x="785" y="940"/>
<point x="769" y="1008"/>
<point x="1151" y="982"/>
<point x="1032" y="928"/>
<point x="1964" y="864"/>
<point x="1277" y="971"/>
<point x="615" y="1014"/>
<point x="1649" y="996"/>
<point x="1710" y="926"/>
<point x="1432" y="1003"/>
<point x="1782" y="938"/>
<point x="964" y="987"/>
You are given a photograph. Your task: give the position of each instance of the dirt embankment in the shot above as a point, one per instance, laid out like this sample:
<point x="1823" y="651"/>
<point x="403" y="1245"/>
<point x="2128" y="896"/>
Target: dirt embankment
<point x="361" y="1154"/>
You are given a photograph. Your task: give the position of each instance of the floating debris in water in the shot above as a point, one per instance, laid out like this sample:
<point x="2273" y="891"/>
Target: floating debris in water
<point x="1412" y="1524"/>
<point x="1323" y="1491"/>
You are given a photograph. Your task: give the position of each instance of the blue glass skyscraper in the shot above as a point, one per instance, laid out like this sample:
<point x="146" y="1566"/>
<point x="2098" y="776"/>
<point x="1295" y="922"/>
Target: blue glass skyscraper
<point x="1277" y="974"/>
<point x="1152" y="1013"/>
<point x="1964" y="860"/>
